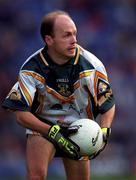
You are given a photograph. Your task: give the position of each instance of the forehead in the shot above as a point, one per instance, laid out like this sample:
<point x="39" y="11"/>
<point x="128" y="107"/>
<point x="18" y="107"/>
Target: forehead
<point x="64" y="23"/>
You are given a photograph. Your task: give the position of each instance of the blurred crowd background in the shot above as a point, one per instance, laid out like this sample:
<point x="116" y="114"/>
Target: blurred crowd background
<point x="107" y="28"/>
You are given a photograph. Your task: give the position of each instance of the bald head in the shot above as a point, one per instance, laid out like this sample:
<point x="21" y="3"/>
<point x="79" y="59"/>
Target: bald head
<point x="63" y="23"/>
<point x="52" y="19"/>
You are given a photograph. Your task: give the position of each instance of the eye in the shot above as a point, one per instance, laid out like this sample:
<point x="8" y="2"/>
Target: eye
<point x="75" y="33"/>
<point x="67" y="34"/>
<point x="70" y="34"/>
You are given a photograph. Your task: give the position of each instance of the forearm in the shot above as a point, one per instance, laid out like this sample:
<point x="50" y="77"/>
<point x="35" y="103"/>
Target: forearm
<point x="106" y="119"/>
<point x="28" y="120"/>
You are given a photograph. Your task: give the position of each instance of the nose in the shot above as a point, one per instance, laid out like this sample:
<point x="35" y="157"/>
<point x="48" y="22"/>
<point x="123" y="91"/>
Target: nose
<point x="74" y="39"/>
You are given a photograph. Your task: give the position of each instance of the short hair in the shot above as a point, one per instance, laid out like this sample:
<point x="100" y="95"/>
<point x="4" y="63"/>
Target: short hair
<point x="47" y="24"/>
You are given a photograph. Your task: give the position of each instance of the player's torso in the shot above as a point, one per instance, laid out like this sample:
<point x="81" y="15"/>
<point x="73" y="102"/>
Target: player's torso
<point x="63" y="94"/>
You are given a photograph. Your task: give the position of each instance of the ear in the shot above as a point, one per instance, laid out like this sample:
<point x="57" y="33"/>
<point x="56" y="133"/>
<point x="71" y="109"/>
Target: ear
<point x="48" y="40"/>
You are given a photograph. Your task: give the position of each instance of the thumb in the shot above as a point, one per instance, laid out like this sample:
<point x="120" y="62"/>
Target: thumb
<point x="73" y="129"/>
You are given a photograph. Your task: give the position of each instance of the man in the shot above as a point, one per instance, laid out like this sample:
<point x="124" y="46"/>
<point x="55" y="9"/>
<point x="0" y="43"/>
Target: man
<point x="58" y="85"/>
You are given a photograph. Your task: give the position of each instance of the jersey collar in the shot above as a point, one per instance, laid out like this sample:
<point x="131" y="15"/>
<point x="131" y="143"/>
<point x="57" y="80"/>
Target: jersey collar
<point x="48" y="61"/>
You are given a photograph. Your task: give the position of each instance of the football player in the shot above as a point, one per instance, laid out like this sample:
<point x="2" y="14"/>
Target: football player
<point x="57" y="85"/>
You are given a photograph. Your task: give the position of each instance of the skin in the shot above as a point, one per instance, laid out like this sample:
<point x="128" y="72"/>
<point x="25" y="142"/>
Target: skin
<point x="107" y="118"/>
<point x="61" y="47"/>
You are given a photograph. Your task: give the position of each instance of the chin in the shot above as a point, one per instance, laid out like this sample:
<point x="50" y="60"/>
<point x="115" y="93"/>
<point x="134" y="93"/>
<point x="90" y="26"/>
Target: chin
<point x="71" y="54"/>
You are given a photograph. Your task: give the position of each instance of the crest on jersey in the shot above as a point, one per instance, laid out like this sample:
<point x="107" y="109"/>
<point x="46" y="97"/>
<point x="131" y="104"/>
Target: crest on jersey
<point x="14" y="95"/>
<point x="104" y="92"/>
<point x="102" y="87"/>
<point x="64" y="89"/>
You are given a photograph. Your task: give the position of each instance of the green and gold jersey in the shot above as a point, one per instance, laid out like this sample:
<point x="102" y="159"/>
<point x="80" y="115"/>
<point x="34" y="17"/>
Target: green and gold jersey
<point x="61" y="93"/>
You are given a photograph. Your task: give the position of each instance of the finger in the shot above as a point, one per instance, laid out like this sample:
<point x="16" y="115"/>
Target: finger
<point x="72" y="129"/>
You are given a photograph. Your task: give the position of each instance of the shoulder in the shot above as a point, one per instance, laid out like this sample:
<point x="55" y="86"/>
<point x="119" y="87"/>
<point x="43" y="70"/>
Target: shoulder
<point x="90" y="57"/>
<point x="32" y="61"/>
<point x="89" y="60"/>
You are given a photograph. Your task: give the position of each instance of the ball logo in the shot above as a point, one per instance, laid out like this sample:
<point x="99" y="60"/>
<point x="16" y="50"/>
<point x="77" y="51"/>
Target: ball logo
<point x="94" y="140"/>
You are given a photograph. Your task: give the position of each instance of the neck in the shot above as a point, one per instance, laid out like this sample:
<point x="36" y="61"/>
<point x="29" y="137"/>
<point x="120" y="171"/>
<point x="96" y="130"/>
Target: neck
<point x="57" y="58"/>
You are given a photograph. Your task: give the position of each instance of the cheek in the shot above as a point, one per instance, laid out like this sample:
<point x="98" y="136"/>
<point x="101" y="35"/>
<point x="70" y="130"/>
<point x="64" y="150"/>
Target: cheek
<point x="61" y="41"/>
<point x="61" y="44"/>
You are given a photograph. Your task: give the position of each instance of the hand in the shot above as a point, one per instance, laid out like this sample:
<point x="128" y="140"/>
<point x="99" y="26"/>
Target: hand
<point x="64" y="143"/>
<point x="106" y="134"/>
<point x="68" y="130"/>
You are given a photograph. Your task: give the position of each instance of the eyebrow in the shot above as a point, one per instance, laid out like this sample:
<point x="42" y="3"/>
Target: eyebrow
<point x="75" y="31"/>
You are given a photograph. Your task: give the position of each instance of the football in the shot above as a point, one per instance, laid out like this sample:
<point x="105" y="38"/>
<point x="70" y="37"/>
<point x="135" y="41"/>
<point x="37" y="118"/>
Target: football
<point x="89" y="136"/>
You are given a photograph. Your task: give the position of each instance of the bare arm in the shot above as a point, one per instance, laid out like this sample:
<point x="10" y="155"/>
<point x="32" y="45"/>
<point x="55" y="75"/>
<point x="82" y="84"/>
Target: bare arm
<point x="105" y="123"/>
<point x="28" y="120"/>
<point x="107" y="118"/>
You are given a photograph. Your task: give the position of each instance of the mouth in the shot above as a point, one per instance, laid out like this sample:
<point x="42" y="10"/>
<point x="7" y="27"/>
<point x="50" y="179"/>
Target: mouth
<point x="72" y="49"/>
